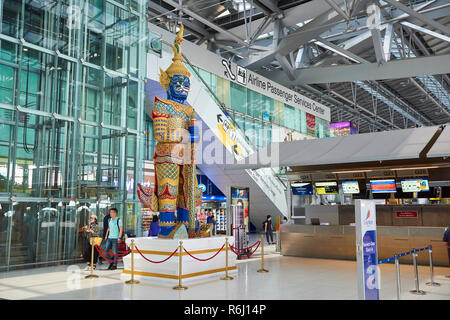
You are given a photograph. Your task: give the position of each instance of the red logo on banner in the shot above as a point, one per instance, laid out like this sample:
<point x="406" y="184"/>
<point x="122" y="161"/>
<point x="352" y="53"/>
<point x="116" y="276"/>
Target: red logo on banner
<point x="406" y="214"/>
<point x="311" y="123"/>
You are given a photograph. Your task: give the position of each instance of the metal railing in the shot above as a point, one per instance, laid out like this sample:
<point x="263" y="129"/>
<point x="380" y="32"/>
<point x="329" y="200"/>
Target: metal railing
<point x="414" y="252"/>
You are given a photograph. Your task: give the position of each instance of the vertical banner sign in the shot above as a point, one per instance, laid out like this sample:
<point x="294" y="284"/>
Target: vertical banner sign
<point x="366" y="250"/>
<point x="311" y="123"/>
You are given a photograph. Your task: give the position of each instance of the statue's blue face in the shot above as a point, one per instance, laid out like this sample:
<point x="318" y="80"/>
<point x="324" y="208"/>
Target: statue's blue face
<point x="179" y="87"/>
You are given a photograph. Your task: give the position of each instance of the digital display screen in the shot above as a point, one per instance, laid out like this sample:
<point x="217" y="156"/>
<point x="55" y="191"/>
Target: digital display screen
<point x="238" y="193"/>
<point x="350" y="187"/>
<point x="299" y="188"/>
<point x="327" y="187"/>
<point x="415" y="185"/>
<point x="383" y="186"/>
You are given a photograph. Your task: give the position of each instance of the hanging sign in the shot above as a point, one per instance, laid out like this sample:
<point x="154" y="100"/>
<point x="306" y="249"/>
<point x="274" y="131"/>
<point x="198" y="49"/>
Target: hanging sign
<point x="311" y="123"/>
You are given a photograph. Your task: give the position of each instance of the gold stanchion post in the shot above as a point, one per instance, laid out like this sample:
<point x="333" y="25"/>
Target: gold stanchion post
<point x="226" y="262"/>
<point x="262" y="256"/>
<point x="179" y="286"/>
<point x="132" y="281"/>
<point x="92" y="275"/>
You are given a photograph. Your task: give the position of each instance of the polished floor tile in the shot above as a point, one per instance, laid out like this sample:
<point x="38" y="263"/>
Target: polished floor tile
<point x="288" y="278"/>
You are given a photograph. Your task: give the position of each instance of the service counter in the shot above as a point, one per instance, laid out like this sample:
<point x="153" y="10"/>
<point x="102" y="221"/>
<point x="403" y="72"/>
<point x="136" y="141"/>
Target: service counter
<point x="338" y="242"/>
<point x="387" y="215"/>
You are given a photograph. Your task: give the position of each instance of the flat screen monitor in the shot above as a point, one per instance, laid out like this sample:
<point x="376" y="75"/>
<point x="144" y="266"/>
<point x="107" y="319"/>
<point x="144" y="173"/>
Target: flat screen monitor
<point x="327" y="187"/>
<point x="300" y="188"/>
<point x="315" y="221"/>
<point x="383" y="186"/>
<point x="415" y="185"/>
<point x="350" y="187"/>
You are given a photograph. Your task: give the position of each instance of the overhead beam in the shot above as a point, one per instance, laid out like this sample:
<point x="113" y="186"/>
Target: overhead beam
<point x="263" y="8"/>
<point x="424" y="30"/>
<point x="394" y="69"/>
<point x="339" y="50"/>
<point x="287" y="67"/>
<point x="373" y="11"/>
<point x="264" y="24"/>
<point x="422" y="47"/>
<point x="346" y="45"/>
<point x="302" y="12"/>
<point x="387" y="43"/>
<point x="307" y="32"/>
<point x="191" y="25"/>
<point x="377" y="45"/>
<point x="365" y="110"/>
<point x="268" y="4"/>
<point x="357" y="113"/>
<point x="445" y="110"/>
<point x="403" y="106"/>
<point x="390" y="104"/>
<point x="302" y="35"/>
<point x="437" y="10"/>
<point x="419" y="16"/>
<point x="301" y="55"/>
<point x="206" y="22"/>
<point x="338" y="9"/>
<point x="295" y="39"/>
<point x="381" y="95"/>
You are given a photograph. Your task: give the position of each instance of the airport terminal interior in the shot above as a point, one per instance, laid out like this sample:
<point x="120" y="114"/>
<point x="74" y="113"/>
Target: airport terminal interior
<point x="224" y="150"/>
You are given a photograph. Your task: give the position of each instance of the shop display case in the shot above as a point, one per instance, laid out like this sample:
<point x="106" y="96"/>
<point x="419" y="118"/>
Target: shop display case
<point x="221" y="221"/>
<point x="147" y="217"/>
<point x="218" y="209"/>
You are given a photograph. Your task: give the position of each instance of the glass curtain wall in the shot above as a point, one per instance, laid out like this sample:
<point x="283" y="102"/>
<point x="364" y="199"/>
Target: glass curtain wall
<point x="71" y="121"/>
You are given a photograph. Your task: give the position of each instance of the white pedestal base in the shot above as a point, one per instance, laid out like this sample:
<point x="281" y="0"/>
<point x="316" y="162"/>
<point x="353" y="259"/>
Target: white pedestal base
<point x="192" y="270"/>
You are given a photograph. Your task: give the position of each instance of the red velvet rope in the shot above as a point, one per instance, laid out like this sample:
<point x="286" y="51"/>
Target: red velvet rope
<point x="112" y="254"/>
<point x="204" y="259"/>
<point x="156" y="261"/>
<point x="247" y="256"/>
<point x="108" y="253"/>
<point x="246" y="248"/>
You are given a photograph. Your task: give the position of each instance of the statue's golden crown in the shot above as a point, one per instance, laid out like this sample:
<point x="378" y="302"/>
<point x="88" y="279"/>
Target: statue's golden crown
<point x="177" y="66"/>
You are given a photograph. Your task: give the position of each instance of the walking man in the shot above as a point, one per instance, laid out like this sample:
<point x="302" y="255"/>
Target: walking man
<point x="113" y="236"/>
<point x="268" y="229"/>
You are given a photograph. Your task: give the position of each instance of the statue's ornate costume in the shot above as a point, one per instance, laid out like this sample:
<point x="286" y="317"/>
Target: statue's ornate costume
<point x="176" y="188"/>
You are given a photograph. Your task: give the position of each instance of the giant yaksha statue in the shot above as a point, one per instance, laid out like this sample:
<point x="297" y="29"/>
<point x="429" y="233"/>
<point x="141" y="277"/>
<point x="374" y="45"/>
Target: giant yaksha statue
<point x="176" y="188"/>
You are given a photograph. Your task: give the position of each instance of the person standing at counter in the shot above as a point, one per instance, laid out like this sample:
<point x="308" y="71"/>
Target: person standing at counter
<point x="446" y="242"/>
<point x="268" y="229"/>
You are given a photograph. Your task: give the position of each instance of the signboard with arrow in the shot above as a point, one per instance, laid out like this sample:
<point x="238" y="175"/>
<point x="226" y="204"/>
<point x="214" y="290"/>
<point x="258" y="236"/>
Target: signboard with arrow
<point x="228" y="134"/>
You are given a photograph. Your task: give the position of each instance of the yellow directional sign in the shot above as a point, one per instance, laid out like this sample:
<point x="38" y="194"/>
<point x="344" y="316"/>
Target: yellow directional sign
<point x="227" y="134"/>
